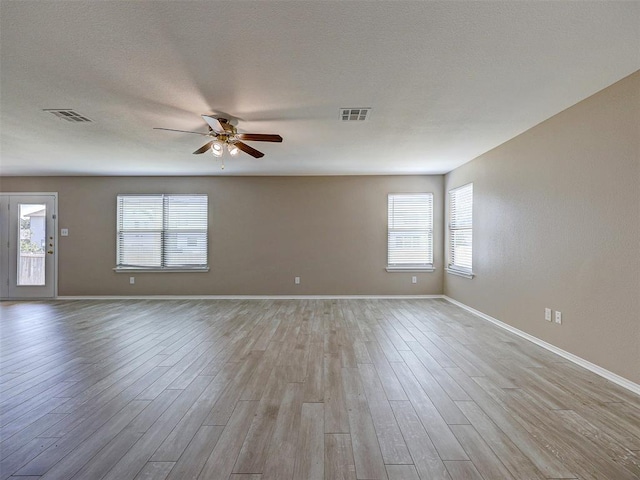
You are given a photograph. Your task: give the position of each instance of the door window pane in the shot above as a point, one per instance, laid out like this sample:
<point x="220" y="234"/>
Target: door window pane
<point x="32" y="243"/>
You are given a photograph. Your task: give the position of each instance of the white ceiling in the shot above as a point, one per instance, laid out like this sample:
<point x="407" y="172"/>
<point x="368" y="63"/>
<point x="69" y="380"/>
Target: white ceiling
<point x="447" y="81"/>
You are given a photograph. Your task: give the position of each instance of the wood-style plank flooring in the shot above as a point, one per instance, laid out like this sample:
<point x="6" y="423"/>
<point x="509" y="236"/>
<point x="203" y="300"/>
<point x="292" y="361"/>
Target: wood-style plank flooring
<point x="297" y="389"/>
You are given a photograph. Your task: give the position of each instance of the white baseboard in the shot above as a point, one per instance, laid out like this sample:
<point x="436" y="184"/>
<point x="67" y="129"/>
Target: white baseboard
<point x="243" y="297"/>
<point x="615" y="378"/>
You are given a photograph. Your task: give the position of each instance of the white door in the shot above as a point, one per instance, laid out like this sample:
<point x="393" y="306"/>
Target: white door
<point x="27" y="245"/>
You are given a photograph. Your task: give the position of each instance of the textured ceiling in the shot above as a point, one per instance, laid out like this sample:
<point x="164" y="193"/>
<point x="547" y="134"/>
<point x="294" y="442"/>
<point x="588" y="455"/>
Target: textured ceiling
<point x="447" y="81"/>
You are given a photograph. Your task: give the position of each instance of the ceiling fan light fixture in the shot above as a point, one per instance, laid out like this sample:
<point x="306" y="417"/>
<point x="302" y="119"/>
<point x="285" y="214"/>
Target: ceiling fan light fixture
<point x="222" y="133"/>
<point x="217" y="148"/>
<point x="233" y="150"/>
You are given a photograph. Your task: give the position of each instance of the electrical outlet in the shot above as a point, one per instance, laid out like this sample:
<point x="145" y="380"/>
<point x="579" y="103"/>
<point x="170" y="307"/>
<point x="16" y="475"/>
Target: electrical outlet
<point x="64" y="232"/>
<point x="559" y="317"/>
<point x="547" y="314"/>
<point x="296" y="280"/>
<point x="414" y="279"/>
<point x="132" y="280"/>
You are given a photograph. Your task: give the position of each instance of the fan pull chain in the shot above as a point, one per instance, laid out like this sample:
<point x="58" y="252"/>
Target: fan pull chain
<point x="222" y="159"/>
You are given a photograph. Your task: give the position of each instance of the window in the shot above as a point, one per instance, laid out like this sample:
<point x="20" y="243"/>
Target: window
<point x="461" y="230"/>
<point x="410" y="231"/>
<point x="162" y="232"/>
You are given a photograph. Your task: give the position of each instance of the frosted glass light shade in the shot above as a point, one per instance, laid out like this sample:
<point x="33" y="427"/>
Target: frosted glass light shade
<point x="233" y="150"/>
<point x="217" y="148"/>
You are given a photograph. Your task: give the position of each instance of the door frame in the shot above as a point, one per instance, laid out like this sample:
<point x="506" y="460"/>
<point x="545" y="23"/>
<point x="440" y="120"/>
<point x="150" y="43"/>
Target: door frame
<point x="55" y="240"/>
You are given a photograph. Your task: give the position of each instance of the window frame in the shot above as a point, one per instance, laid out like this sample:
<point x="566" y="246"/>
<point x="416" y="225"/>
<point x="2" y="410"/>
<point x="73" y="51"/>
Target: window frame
<point x="428" y="229"/>
<point x="165" y="234"/>
<point x="452" y="268"/>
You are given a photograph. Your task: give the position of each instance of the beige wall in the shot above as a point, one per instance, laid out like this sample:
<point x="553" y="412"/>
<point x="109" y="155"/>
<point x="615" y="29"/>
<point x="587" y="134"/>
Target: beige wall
<point x="557" y="224"/>
<point x="264" y="231"/>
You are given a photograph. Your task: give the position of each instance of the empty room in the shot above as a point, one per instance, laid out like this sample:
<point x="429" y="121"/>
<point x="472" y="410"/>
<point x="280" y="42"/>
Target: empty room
<point x="305" y="240"/>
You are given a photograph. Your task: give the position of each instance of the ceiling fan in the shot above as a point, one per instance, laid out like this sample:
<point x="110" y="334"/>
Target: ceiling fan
<point x="224" y="134"/>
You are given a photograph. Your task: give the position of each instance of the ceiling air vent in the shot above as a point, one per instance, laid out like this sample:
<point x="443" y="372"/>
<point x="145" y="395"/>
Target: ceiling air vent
<point x="68" y="115"/>
<point x="354" y="114"/>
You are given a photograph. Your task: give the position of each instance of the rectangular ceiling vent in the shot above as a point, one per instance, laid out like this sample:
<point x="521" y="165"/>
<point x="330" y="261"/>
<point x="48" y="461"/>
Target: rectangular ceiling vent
<point x="354" y="114"/>
<point x="68" y="115"/>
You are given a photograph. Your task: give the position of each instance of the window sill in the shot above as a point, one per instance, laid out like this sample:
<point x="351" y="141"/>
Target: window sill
<point x="163" y="270"/>
<point x="460" y="273"/>
<point x="410" y="269"/>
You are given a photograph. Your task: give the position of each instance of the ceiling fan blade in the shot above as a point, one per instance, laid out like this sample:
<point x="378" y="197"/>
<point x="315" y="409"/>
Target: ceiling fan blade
<point x="250" y="150"/>
<point x="203" y="148"/>
<point x="182" y="131"/>
<point x="259" y="137"/>
<point x="214" y="123"/>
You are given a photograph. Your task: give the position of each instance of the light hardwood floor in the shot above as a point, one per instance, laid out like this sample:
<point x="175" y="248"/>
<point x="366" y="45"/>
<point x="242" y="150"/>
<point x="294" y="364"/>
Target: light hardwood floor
<point x="297" y="389"/>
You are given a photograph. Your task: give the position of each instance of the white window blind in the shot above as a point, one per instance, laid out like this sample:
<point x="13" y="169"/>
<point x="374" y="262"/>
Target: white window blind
<point x="461" y="228"/>
<point x="162" y="231"/>
<point x="410" y="230"/>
